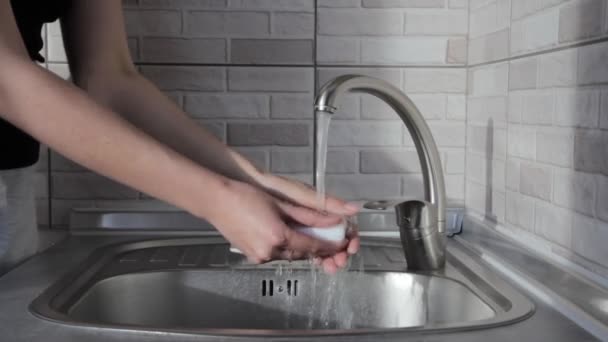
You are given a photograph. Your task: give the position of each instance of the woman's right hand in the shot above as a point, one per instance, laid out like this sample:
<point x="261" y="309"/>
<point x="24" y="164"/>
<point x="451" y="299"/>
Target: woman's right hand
<point x="258" y="224"/>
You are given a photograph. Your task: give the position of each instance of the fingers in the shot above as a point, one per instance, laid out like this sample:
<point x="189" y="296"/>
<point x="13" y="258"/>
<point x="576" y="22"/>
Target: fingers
<point x="329" y="266"/>
<point x="337" y="206"/>
<point x="305" y="195"/>
<point x="307" y="216"/>
<point x="352" y="234"/>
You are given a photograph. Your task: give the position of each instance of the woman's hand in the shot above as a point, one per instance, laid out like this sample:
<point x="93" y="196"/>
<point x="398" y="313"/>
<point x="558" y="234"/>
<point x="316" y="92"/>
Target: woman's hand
<point x="258" y="224"/>
<point x="305" y="195"/>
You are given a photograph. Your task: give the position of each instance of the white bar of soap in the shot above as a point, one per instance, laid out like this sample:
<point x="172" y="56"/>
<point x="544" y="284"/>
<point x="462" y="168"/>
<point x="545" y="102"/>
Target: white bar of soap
<point x="335" y="233"/>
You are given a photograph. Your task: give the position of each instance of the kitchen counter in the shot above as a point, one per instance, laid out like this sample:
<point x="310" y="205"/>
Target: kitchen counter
<point x="22" y="285"/>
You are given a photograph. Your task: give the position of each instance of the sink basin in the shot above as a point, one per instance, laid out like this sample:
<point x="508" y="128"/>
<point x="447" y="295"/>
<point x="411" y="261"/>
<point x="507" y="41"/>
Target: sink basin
<point x="198" y="286"/>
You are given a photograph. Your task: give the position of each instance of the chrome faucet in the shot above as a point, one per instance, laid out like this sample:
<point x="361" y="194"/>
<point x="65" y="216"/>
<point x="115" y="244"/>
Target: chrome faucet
<point x="421" y="222"/>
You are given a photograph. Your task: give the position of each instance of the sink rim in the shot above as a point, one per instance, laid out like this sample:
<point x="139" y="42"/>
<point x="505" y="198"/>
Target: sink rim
<point x="79" y="280"/>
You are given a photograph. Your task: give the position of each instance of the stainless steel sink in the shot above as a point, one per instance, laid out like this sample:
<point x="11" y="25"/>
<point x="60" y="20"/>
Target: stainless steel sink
<point x="197" y="286"/>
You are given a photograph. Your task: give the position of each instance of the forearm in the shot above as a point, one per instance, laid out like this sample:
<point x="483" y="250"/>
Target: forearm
<point x="140" y="102"/>
<point x="63" y="117"/>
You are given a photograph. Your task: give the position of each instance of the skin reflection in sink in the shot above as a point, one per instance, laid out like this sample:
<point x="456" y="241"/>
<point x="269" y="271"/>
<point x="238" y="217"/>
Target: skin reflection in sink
<point x="269" y="300"/>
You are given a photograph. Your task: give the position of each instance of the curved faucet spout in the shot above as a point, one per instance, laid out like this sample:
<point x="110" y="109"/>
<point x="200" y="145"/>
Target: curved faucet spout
<point x="328" y="101"/>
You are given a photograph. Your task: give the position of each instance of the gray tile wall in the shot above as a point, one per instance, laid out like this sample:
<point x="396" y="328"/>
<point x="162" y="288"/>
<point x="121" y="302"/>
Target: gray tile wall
<point x="248" y="70"/>
<point x="536" y="122"/>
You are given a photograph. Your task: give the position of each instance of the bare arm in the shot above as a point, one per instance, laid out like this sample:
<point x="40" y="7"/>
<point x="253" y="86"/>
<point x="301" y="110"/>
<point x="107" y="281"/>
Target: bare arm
<point x="65" y="118"/>
<point x="62" y="116"/>
<point x="101" y="64"/>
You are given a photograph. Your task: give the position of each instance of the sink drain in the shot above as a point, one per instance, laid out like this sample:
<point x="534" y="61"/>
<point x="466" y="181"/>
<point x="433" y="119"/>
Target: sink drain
<point x="269" y="288"/>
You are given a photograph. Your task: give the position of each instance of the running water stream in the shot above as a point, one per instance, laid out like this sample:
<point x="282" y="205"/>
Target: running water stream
<point x="323" y="121"/>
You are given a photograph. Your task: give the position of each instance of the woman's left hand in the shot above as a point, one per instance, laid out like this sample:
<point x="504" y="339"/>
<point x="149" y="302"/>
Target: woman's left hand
<point x="305" y="195"/>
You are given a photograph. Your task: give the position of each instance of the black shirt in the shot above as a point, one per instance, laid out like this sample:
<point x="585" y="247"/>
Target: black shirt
<point x="17" y="148"/>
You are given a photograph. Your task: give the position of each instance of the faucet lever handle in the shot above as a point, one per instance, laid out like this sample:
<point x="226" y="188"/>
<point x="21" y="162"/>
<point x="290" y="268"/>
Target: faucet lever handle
<point x="422" y="241"/>
<point x="416" y="214"/>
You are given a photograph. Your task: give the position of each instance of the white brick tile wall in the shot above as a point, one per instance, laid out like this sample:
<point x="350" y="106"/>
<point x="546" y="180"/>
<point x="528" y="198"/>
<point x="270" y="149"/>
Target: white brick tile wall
<point x="487" y="140"/>
<point x="457" y="107"/>
<point x="153" y="22"/>
<point x="342" y="22"/>
<point x="389" y="161"/>
<point x="558" y="68"/>
<point x="291" y="106"/>
<point x="281" y="5"/>
<point x="246" y="106"/>
<point x="604" y="110"/>
<point x="183" y="50"/>
<point x="492" y="17"/>
<point x="522" y="142"/>
<point x="553" y="223"/>
<point x="240" y="24"/>
<point x="516" y="106"/>
<point x="342" y="161"/>
<point x="555" y="169"/>
<point x="186" y="78"/>
<point x="392" y="32"/>
<point x="292" y="24"/>
<point x="523" y="74"/>
<point x="271" y="51"/>
<point x="536" y="180"/>
<point x="366" y="133"/>
<point x="592" y="68"/>
<point x="482" y="110"/>
<point x="291" y="161"/>
<point x="457" y="51"/>
<point x="453" y="162"/>
<point x="411" y="187"/>
<point x="522" y="8"/>
<point x="602" y="198"/>
<point x="538" y="108"/>
<point x="555" y="146"/>
<point x="512" y="174"/>
<point x="87" y="186"/>
<point x="581" y="19"/>
<point x="590" y="153"/>
<point x="437" y="23"/>
<point x="491" y="47"/>
<point x="403" y="3"/>
<point x="270" y="79"/>
<point x="577" y="108"/>
<point x="489" y="80"/>
<point x="535" y="32"/>
<point x="434" y="81"/>
<point x="575" y="190"/>
<point x="362" y="187"/>
<point x="458" y="3"/>
<point x="425" y="51"/>
<point x="590" y="238"/>
<point x="520" y="210"/>
<point x="338" y="50"/>
<point x="183" y="3"/>
<point x="269" y="134"/>
<point x="338" y="3"/>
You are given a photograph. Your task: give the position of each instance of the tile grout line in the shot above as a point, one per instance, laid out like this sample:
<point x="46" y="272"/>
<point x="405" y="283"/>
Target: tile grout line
<point x="314" y="65"/>
<point x="579" y="44"/>
<point x="315" y="90"/>
<point x="466" y="108"/>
